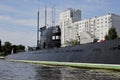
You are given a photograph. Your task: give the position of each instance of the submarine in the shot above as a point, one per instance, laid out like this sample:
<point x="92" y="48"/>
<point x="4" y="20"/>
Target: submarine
<point x="107" y="52"/>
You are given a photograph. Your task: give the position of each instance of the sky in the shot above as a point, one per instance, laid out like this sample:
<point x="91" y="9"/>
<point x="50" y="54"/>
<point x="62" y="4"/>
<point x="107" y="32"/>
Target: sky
<point x="18" y="18"/>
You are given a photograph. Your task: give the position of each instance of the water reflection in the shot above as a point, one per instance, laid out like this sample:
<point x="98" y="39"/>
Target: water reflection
<point x="48" y="73"/>
<point x="16" y="71"/>
<point x="68" y="73"/>
<point x="24" y="71"/>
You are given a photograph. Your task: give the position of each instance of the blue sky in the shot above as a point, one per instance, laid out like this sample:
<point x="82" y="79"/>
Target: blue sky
<point x="18" y="17"/>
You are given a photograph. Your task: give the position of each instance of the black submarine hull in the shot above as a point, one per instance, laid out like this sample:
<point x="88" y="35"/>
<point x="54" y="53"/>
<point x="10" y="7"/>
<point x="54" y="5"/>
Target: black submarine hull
<point x="107" y="52"/>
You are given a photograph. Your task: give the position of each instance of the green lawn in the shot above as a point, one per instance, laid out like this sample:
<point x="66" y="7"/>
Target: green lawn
<point x="70" y="64"/>
<point x="2" y="57"/>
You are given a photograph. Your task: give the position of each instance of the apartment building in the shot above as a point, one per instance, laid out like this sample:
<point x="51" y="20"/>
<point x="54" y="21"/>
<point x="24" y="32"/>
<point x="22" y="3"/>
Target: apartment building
<point x="96" y="27"/>
<point x="67" y="18"/>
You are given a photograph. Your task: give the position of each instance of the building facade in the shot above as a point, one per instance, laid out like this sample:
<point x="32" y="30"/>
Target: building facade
<point x="97" y="27"/>
<point x="67" y="18"/>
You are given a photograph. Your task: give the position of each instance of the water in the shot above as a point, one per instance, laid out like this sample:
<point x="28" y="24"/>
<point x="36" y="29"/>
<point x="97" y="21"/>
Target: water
<point x="25" y="71"/>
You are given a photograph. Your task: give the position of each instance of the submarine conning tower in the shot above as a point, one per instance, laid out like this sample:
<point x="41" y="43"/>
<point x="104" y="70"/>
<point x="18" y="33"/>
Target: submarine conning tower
<point x="50" y="37"/>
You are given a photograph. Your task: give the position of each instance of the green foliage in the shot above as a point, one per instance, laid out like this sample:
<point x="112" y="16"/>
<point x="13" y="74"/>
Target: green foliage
<point x="18" y="48"/>
<point x="106" y="37"/>
<point x="112" y="34"/>
<point x="74" y="42"/>
<point x="1" y="53"/>
<point x="8" y="47"/>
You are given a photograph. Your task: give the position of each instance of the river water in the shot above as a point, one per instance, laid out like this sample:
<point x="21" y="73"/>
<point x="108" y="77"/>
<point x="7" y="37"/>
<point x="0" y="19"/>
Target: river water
<point x="25" y="71"/>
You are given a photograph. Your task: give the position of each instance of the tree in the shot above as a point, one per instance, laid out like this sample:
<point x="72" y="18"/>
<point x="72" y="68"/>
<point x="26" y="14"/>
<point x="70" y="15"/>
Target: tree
<point x="7" y="48"/>
<point x="18" y="48"/>
<point x="112" y="34"/>
<point x="74" y="42"/>
<point x="106" y="37"/>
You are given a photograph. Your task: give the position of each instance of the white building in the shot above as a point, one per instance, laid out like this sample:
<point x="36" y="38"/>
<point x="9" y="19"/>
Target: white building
<point x="67" y="18"/>
<point x="97" y="27"/>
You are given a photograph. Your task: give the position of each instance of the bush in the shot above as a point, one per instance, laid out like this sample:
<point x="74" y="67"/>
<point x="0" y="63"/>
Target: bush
<point x="112" y="34"/>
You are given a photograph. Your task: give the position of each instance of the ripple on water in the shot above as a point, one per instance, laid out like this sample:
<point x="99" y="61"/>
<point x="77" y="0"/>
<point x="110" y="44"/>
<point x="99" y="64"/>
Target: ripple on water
<point x="24" y="71"/>
<point x="16" y="71"/>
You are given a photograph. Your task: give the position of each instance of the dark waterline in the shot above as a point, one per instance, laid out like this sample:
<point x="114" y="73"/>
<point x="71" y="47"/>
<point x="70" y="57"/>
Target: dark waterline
<point x="25" y="71"/>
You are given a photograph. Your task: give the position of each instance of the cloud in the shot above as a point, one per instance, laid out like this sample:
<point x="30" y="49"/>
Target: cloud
<point x="95" y="1"/>
<point x="100" y="3"/>
<point x="7" y="8"/>
<point x="22" y="22"/>
<point x="11" y="14"/>
<point x="17" y="37"/>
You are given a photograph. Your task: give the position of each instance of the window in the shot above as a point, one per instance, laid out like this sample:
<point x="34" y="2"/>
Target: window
<point x="53" y="37"/>
<point x="105" y="25"/>
<point x="97" y="33"/>
<point x="71" y="14"/>
<point x="91" y="24"/>
<point x="91" y="31"/>
<point x="98" y="30"/>
<point x="57" y="37"/>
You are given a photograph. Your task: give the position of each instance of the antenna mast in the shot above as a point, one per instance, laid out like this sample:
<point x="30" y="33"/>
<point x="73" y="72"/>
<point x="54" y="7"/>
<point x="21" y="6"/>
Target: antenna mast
<point x="54" y="15"/>
<point x="46" y="16"/>
<point x="38" y="26"/>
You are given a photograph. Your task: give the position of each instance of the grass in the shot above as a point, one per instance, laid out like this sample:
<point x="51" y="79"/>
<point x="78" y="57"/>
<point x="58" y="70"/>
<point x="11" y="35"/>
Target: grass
<point x="70" y="64"/>
<point x="2" y="57"/>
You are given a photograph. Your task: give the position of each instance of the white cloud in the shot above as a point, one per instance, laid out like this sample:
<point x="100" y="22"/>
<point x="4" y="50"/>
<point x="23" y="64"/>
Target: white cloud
<point x="10" y="10"/>
<point x="24" y="38"/>
<point x="7" y="8"/>
<point x="95" y="1"/>
<point x="23" y="22"/>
